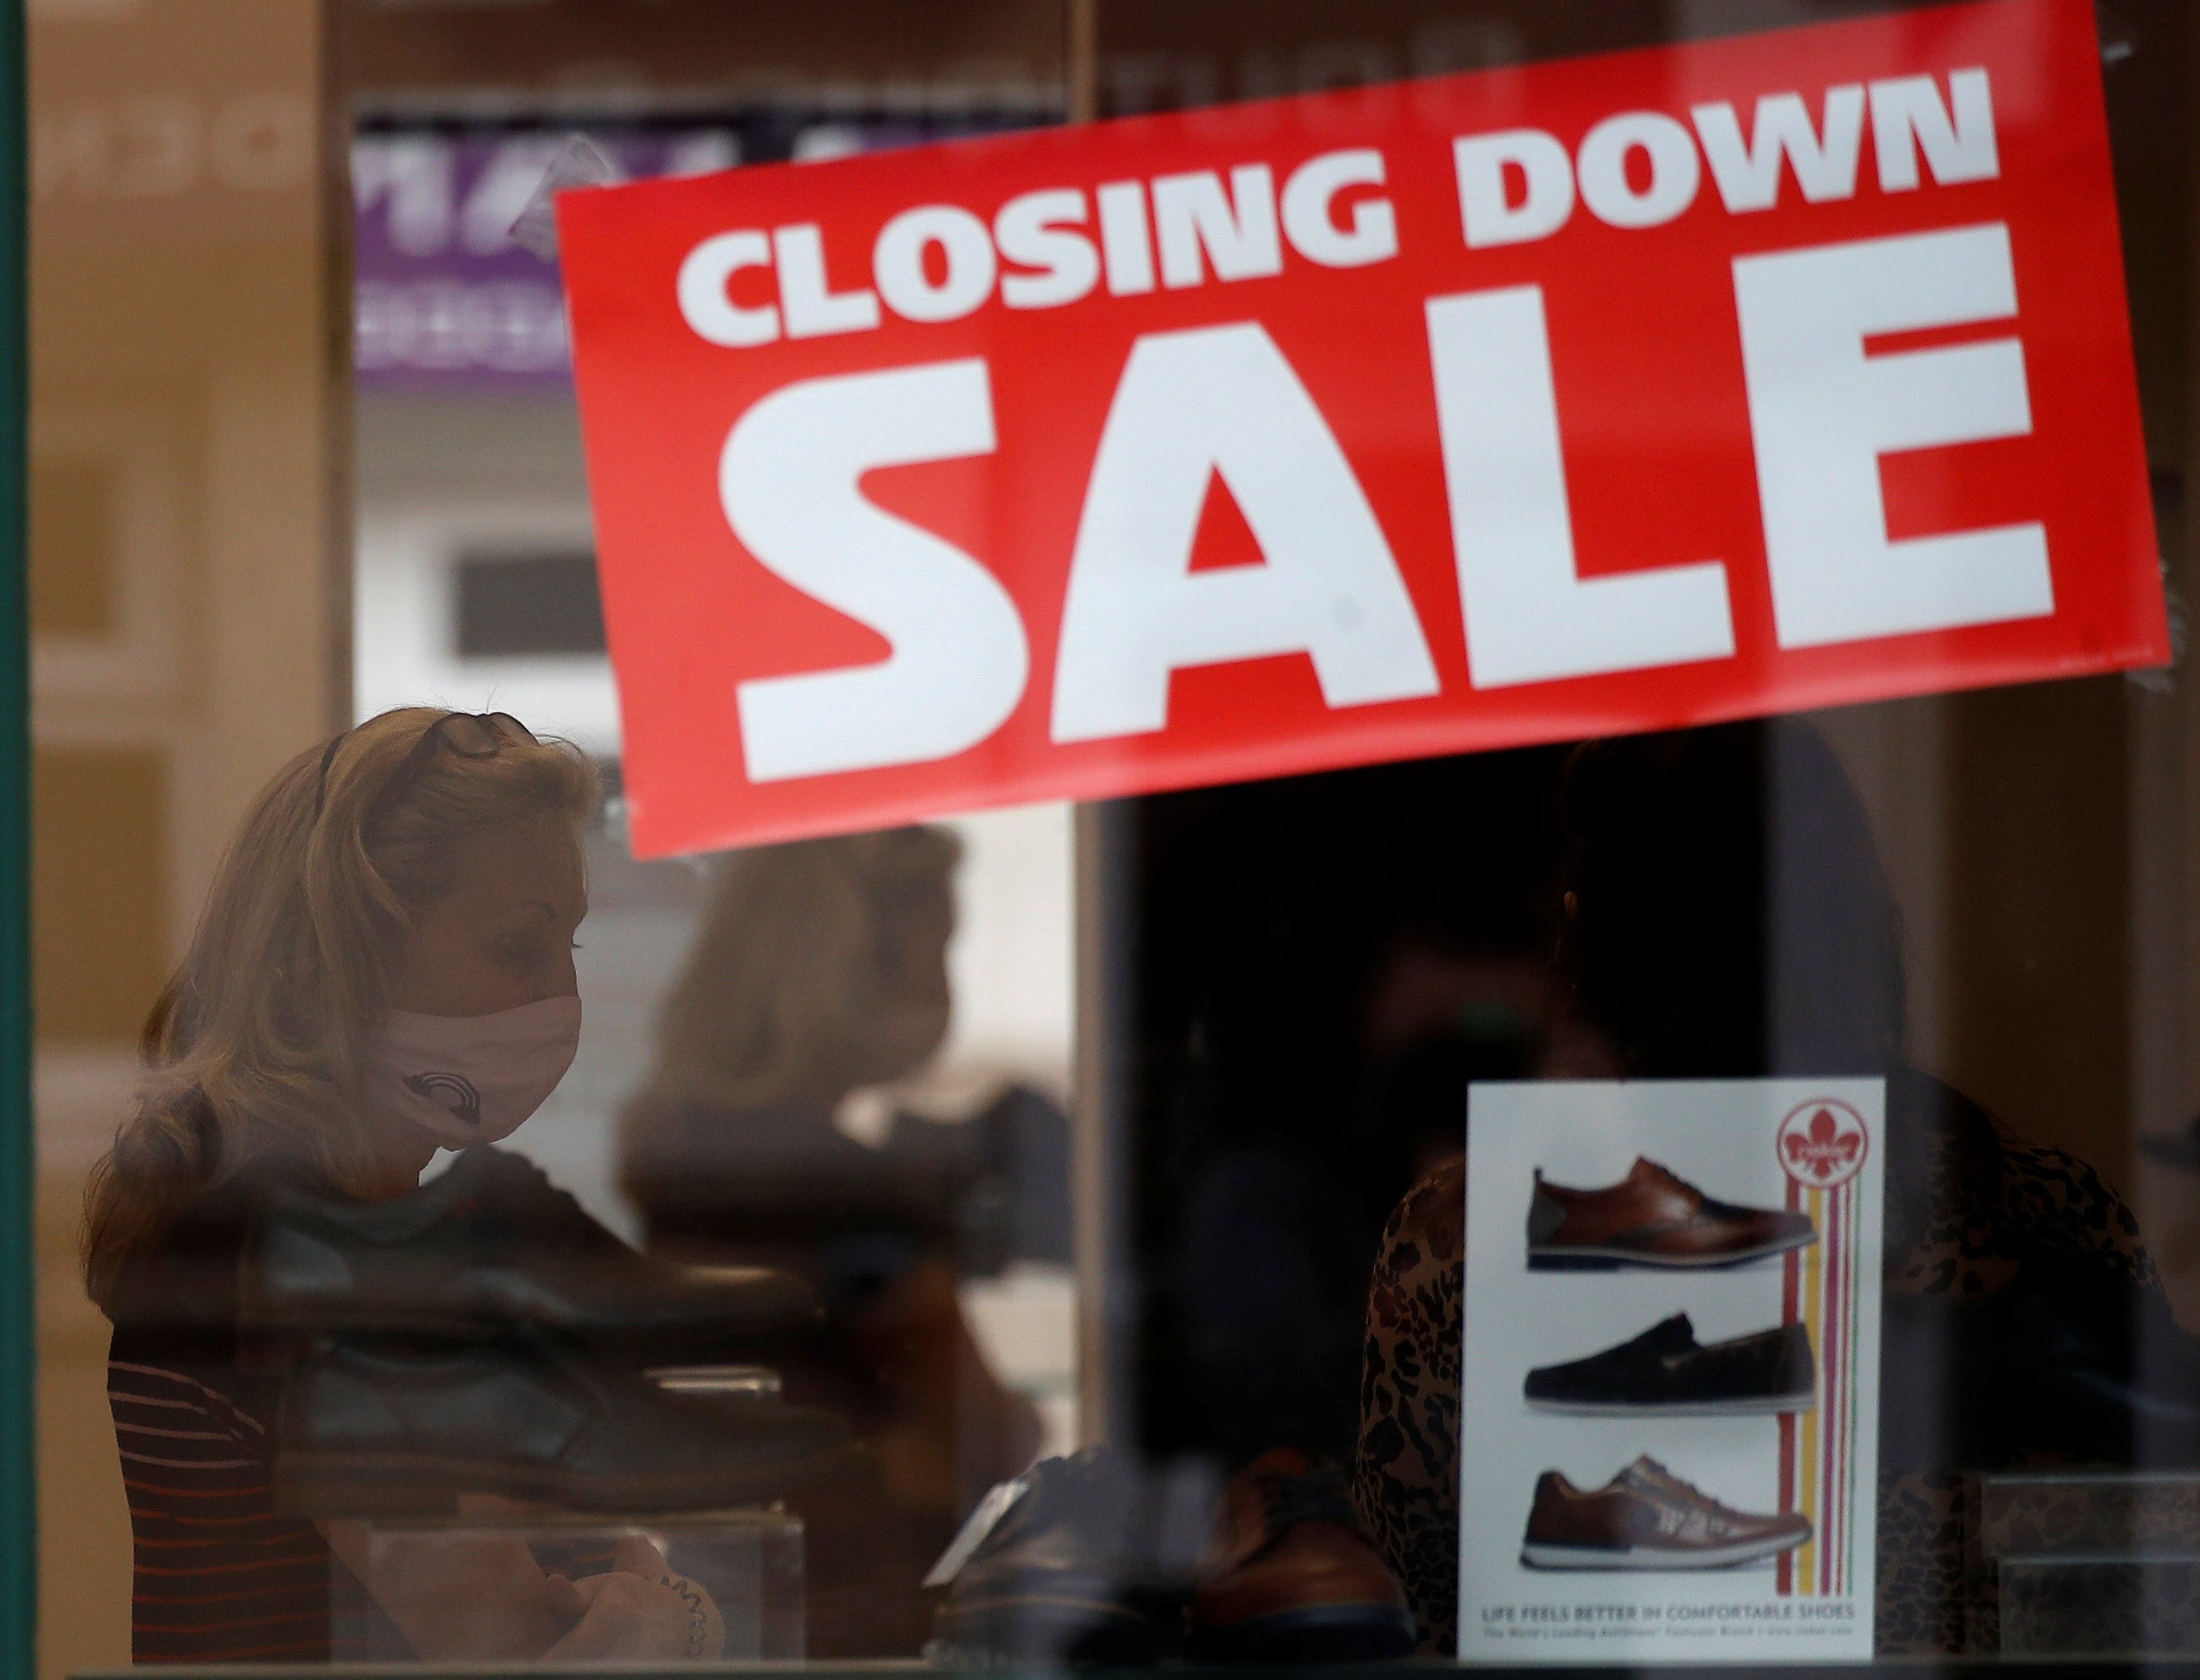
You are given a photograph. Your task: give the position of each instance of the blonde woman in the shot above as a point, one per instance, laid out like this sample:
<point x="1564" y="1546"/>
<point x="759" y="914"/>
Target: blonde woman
<point x="816" y="989"/>
<point x="816" y="996"/>
<point x="821" y="969"/>
<point x="422" y="874"/>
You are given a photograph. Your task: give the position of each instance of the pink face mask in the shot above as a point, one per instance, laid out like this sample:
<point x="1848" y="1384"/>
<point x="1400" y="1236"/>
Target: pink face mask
<point x="472" y="1078"/>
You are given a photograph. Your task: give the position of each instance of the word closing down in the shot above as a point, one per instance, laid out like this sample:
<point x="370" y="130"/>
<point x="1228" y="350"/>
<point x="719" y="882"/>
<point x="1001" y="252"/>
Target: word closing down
<point x="1341" y="429"/>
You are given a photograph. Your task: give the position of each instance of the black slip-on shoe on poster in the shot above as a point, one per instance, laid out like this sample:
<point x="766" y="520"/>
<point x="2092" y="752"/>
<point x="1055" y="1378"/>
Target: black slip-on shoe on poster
<point x="1666" y="1371"/>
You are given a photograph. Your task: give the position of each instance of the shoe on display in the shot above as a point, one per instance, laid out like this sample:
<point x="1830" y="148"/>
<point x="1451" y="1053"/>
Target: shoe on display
<point x="490" y="1243"/>
<point x="376" y="1427"/>
<point x="1667" y="1371"/>
<point x="1647" y="1518"/>
<point x="1289" y="1576"/>
<point x="1651" y="1218"/>
<point x="1057" y="1578"/>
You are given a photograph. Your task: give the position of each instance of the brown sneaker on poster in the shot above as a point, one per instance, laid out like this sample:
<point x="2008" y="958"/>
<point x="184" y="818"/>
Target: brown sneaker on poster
<point x="1647" y="1518"/>
<point x="1652" y="1219"/>
<point x="1289" y="1577"/>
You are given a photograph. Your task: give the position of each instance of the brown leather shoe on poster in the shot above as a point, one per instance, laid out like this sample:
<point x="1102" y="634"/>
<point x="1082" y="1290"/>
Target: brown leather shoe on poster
<point x="1647" y="1518"/>
<point x="1289" y="1578"/>
<point x="1652" y="1219"/>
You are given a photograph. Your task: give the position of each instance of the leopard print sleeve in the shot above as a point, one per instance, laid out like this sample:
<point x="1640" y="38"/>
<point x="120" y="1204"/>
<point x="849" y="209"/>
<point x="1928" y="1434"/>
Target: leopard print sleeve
<point x="2063" y="1213"/>
<point x="1406" y="1472"/>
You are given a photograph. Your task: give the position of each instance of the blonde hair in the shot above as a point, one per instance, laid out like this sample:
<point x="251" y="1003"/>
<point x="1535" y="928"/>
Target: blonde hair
<point x="255" y="1049"/>
<point x="783" y="972"/>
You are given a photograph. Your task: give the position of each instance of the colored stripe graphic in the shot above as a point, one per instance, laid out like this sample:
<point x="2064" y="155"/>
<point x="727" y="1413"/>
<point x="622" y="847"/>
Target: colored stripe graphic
<point x="1848" y="1402"/>
<point x="1813" y="1432"/>
<point x="1791" y="1291"/>
<point x="1817" y="1450"/>
<point x="1829" y="1433"/>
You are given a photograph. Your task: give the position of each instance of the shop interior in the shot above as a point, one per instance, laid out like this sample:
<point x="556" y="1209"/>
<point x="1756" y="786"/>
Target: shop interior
<point x="306" y="447"/>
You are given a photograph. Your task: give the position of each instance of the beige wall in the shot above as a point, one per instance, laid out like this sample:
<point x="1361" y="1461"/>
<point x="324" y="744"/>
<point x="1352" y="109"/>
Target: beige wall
<point x="185" y="495"/>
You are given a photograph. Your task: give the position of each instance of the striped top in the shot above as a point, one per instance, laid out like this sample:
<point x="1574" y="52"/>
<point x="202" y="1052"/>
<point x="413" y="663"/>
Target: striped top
<point x="221" y="1575"/>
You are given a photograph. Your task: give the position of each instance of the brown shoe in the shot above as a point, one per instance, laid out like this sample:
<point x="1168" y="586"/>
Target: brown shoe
<point x="1651" y="1218"/>
<point x="1647" y="1518"/>
<point x="1288" y="1577"/>
<point x="1056" y="1579"/>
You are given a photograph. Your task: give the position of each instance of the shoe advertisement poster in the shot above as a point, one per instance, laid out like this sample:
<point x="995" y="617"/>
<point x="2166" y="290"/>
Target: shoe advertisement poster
<point x="1669" y="1386"/>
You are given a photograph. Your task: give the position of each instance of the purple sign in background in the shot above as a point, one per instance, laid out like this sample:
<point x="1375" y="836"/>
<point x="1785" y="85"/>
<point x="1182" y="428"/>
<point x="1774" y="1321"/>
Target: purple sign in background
<point x="443" y="300"/>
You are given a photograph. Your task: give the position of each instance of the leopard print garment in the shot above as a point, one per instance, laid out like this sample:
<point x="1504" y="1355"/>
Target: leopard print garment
<point x="1963" y="1215"/>
<point x="1406" y="1474"/>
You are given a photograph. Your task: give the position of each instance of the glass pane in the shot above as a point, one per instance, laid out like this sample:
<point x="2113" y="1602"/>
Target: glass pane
<point x="710" y="1358"/>
<point x="1719" y="1190"/>
<point x="1980" y="899"/>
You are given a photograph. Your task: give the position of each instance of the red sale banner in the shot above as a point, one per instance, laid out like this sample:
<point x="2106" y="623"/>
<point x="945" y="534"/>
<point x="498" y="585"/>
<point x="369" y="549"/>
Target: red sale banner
<point x="1592" y="396"/>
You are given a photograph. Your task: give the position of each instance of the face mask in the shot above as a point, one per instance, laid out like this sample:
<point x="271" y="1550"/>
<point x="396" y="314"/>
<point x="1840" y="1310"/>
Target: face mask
<point x="472" y="1078"/>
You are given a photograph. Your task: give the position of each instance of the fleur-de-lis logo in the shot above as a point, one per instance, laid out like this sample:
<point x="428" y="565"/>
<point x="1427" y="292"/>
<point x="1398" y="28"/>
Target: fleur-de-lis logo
<point x="1822" y="1143"/>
